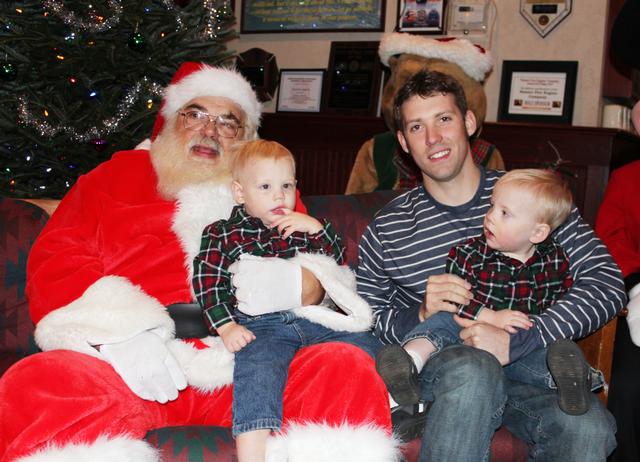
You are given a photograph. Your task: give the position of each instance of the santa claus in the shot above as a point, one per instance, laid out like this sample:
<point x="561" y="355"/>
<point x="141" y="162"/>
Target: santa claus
<point x="116" y="253"/>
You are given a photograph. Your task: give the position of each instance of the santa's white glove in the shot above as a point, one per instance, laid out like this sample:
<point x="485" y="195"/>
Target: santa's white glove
<point x="146" y="366"/>
<point x="633" y="315"/>
<point x="266" y="285"/>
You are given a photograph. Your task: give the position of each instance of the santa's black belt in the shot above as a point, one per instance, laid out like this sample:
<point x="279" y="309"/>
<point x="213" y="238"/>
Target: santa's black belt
<point x="188" y="320"/>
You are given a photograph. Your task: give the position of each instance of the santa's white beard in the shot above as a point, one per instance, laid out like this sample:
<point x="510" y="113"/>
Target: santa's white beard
<point x="176" y="168"/>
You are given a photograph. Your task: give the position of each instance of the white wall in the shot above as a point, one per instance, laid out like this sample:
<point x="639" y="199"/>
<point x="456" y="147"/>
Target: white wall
<point x="580" y="37"/>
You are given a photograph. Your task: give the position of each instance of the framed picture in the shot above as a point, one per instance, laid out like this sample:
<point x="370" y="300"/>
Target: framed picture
<point x="538" y="91"/>
<point x="300" y="90"/>
<point x="353" y="79"/>
<point x="312" y="16"/>
<point x="421" y="16"/>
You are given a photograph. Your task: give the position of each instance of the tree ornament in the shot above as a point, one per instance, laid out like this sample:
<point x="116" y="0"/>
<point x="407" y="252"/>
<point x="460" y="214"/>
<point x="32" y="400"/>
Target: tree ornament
<point x="137" y="42"/>
<point x="181" y="3"/>
<point x="8" y="72"/>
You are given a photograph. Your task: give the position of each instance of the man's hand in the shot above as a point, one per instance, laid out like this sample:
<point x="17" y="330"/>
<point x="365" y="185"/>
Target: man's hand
<point x="508" y="320"/>
<point x="266" y="285"/>
<point x="443" y="292"/>
<point x="235" y="337"/>
<point x="485" y="337"/>
<point x="146" y="366"/>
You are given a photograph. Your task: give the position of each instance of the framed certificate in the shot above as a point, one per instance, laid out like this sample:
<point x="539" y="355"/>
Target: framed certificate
<point x="300" y="90"/>
<point x="538" y="91"/>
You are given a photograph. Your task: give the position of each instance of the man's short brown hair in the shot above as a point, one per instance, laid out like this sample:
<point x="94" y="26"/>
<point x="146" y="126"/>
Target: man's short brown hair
<point x="426" y="84"/>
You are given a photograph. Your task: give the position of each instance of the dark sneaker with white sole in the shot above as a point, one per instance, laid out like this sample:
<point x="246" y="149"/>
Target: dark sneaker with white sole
<point x="572" y="376"/>
<point x="399" y="373"/>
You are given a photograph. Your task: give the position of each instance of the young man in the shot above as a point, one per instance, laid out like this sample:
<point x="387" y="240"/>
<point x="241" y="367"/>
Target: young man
<point x="111" y="261"/>
<point x="400" y="273"/>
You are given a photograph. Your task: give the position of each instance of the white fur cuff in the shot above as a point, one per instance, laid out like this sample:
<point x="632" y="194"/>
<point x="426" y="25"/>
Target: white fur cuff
<point x="339" y="283"/>
<point x="325" y="443"/>
<point x="104" y="449"/>
<point x="111" y="310"/>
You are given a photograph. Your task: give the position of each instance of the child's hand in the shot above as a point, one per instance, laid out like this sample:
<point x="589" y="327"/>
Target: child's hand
<point x="235" y="337"/>
<point x="505" y="319"/>
<point x="294" y="221"/>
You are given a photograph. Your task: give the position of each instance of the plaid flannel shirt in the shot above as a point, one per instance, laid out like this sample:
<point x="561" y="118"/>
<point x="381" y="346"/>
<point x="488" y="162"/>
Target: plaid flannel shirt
<point x="225" y="240"/>
<point x="504" y="283"/>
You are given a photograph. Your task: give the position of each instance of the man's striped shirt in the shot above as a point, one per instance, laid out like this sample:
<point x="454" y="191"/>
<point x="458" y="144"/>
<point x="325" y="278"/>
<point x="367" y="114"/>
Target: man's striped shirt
<point x="410" y="238"/>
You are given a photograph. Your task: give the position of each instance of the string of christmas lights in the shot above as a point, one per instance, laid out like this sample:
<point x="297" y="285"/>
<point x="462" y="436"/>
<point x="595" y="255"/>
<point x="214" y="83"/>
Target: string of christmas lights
<point x="96" y="23"/>
<point x="110" y="125"/>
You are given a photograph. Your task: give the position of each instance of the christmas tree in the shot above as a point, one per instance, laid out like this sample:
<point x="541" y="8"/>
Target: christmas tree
<point x="81" y="80"/>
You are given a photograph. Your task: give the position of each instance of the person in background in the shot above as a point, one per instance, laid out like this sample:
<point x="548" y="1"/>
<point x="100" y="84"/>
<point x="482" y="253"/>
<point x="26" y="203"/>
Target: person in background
<point x="618" y="225"/>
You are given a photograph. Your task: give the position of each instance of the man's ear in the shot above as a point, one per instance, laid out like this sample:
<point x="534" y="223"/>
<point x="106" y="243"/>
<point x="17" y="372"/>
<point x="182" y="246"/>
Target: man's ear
<point x="402" y="141"/>
<point x="470" y="122"/>
<point x="237" y="192"/>
<point x="539" y="233"/>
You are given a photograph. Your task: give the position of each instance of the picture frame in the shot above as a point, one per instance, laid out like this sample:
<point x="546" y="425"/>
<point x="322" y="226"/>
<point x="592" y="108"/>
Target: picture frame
<point x="312" y="16"/>
<point x="421" y="16"/>
<point x="353" y="79"/>
<point x="300" y="90"/>
<point x="538" y="91"/>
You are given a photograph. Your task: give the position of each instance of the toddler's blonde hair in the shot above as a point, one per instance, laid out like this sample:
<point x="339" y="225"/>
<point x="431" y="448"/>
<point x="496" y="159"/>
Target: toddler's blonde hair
<point x="551" y="192"/>
<point x="243" y="153"/>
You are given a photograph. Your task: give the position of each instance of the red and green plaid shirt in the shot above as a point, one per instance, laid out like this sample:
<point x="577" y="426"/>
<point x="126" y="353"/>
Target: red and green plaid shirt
<point x="225" y="240"/>
<point x="504" y="283"/>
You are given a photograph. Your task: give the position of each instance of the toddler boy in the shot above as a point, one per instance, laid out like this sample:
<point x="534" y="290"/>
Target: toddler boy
<point x="516" y="270"/>
<point x="264" y="225"/>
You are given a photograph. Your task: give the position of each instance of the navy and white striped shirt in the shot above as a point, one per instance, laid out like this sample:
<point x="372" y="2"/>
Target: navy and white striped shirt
<point x="409" y="240"/>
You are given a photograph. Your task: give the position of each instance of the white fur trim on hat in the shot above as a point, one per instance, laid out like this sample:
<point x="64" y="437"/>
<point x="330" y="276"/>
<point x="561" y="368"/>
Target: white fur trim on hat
<point x="474" y="60"/>
<point x="325" y="443"/>
<point x="213" y="81"/>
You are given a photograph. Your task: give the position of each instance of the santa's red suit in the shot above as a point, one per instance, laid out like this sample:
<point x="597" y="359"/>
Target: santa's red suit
<point x="112" y="256"/>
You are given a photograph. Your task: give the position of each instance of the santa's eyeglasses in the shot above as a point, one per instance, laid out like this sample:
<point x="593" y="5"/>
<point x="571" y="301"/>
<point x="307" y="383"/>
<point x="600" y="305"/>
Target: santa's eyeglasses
<point x="226" y="126"/>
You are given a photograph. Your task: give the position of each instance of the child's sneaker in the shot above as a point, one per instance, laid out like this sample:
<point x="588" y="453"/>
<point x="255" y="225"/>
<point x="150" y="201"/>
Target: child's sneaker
<point x="572" y="375"/>
<point x="399" y="373"/>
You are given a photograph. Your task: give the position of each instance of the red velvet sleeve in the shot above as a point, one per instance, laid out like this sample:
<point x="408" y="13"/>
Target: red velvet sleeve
<point x="64" y="259"/>
<point x="300" y="207"/>
<point x="618" y="221"/>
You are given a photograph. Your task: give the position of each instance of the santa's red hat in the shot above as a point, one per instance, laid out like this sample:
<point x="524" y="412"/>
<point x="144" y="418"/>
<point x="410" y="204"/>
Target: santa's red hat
<point x="197" y="79"/>
<point x="474" y="60"/>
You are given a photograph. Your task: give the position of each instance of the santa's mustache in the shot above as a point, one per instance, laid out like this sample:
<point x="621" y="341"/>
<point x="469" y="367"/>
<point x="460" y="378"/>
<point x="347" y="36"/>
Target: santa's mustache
<point x="207" y="142"/>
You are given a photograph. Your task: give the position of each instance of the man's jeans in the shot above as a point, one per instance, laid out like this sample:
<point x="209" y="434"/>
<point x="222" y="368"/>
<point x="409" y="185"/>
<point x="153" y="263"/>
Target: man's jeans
<point x="471" y="397"/>
<point x="260" y="371"/>
<point x="442" y="331"/>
